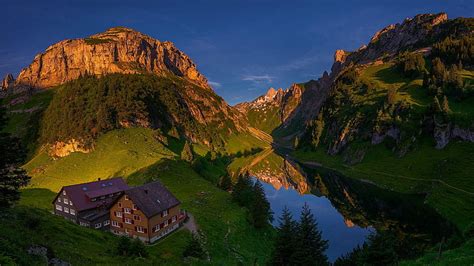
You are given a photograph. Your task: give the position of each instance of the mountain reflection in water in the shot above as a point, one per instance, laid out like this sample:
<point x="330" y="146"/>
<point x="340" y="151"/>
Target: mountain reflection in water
<point x="348" y="210"/>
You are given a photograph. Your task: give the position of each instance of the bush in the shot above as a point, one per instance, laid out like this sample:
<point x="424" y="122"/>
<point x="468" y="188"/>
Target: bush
<point x="412" y="65"/>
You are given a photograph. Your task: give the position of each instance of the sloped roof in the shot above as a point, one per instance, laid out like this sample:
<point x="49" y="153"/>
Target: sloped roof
<point x="81" y="194"/>
<point x="152" y="198"/>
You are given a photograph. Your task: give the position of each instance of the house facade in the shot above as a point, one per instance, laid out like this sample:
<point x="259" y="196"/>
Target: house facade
<point x="88" y="204"/>
<point x="147" y="212"/>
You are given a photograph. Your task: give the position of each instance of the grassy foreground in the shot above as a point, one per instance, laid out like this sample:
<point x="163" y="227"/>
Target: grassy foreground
<point x="135" y="155"/>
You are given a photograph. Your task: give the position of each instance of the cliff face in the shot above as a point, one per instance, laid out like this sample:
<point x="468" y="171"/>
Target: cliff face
<point x="118" y="50"/>
<point x="394" y="38"/>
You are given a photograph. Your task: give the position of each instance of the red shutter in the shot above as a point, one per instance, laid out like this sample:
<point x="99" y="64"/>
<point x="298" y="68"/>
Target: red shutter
<point x="131" y="211"/>
<point x="115" y="214"/>
<point x="133" y="222"/>
<point x="121" y="225"/>
<point x="169" y="221"/>
<point x="136" y="230"/>
<point x="145" y="230"/>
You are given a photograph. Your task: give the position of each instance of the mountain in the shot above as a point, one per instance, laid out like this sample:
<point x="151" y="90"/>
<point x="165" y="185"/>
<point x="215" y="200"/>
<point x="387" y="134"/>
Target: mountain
<point x="118" y="50"/>
<point x="118" y="79"/>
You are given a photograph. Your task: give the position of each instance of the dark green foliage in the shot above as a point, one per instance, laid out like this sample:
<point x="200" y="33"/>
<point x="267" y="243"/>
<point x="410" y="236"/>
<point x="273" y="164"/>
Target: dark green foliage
<point x="85" y="108"/>
<point x="225" y="183"/>
<point x="286" y="240"/>
<point x="187" y="153"/>
<point x="12" y="176"/>
<point x="299" y="243"/>
<point x="196" y="247"/>
<point x="243" y="191"/>
<point x="443" y="81"/>
<point x="315" y="130"/>
<point x="454" y="51"/>
<point x="310" y="246"/>
<point x="412" y="65"/>
<point x="131" y="248"/>
<point x="260" y="212"/>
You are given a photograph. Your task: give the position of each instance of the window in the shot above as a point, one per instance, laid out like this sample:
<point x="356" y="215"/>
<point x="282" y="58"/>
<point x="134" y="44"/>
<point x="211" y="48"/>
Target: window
<point x="98" y="225"/>
<point x="66" y="201"/>
<point x="115" y="224"/>
<point x="106" y="222"/>
<point x="127" y="210"/>
<point x="136" y="217"/>
<point x="120" y="204"/>
<point x="73" y="212"/>
<point x="166" y="223"/>
<point x="103" y="197"/>
<point x="156" y="228"/>
<point x="84" y="224"/>
<point x="64" y="192"/>
<point x="58" y="207"/>
<point x="70" y="203"/>
<point x="173" y="219"/>
<point x="118" y="214"/>
<point x="126" y="197"/>
<point x="59" y="199"/>
<point x="93" y="199"/>
<point x="128" y="221"/>
<point x="134" y="207"/>
<point x="165" y="213"/>
<point x="66" y="209"/>
<point x="140" y="229"/>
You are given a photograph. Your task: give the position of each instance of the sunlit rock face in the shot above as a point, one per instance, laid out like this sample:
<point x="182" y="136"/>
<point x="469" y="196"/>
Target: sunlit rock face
<point x="118" y="50"/>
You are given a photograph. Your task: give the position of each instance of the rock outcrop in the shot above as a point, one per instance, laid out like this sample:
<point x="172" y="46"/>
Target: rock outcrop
<point x="118" y="50"/>
<point x="393" y="39"/>
<point x="8" y="82"/>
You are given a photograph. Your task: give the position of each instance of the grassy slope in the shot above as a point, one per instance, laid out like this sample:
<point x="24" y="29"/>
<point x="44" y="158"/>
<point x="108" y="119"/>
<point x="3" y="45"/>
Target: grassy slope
<point x="420" y="170"/>
<point x="134" y="154"/>
<point x="266" y="119"/>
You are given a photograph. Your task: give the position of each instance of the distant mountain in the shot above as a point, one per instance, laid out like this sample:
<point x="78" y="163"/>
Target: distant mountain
<point x="117" y="79"/>
<point x="360" y="81"/>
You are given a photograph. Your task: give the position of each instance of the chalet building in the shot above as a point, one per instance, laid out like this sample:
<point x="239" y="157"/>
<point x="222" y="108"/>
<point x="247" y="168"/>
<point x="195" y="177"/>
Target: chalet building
<point x="88" y="204"/>
<point x="147" y="212"/>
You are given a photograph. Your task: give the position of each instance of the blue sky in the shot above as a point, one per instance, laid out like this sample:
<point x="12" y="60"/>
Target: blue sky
<point x="243" y="47"/>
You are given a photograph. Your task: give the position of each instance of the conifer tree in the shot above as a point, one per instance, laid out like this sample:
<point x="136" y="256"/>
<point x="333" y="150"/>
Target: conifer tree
<point x="242" y="192"/>
<point x="260" y="212"/>
<point x="286" y="240"/>
<point x="187" y="153"/>
<point x="445" y="106"/>
<point x="435" y="106"/>
<point x="12" y="177"/>
<point x="225" y="183"/>
<point x="311" y="246"/>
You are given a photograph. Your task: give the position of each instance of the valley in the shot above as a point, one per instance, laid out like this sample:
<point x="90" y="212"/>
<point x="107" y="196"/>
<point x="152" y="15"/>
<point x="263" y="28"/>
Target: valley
<point x="380" y="148"/>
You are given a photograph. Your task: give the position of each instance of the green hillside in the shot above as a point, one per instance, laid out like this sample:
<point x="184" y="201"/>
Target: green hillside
<point x="137" y="156"/>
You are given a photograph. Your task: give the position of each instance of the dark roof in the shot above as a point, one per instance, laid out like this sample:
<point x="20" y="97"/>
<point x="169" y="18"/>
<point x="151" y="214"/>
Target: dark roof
<point x="152" y="198"/>
<point x="81" y="194"/>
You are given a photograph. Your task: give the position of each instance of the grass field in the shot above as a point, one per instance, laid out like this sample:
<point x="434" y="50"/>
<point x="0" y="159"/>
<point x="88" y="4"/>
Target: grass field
<point x="135" y="155"/>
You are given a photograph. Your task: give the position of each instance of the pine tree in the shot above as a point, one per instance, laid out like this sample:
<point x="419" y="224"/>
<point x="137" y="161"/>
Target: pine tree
<point x="12" y="177"/>
<point x="445" y="106"/>
<point x="260" y="212"/>
<point x="225" y="183"/>
<point x="187" y="153"/>
<point x="435" y="106"/>
<point x="318" y="127"/>
<point x="311" y="246"/>
<point x="286" y="240"/>
<point x="242" y="192"/>
<point x="195" y="248"/>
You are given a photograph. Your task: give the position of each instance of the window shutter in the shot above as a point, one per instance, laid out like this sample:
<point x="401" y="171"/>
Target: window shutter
<point x="136" y="229"/>
<point x="145" y="230"/>
<point x="131" y="211"/>
<point x="121" y="225"/>
<point x="133" y="222"/>
<point x="115" y="214"/>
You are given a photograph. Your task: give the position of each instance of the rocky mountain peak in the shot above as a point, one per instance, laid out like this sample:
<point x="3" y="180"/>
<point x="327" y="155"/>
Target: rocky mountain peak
<point x="8" y="81"/>
<point x="117" y="50"/>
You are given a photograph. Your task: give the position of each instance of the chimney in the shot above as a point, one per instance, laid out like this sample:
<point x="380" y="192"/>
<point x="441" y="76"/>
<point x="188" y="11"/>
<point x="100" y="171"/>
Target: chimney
<point x="146" y="191"/>
<point x="98" y="179"/>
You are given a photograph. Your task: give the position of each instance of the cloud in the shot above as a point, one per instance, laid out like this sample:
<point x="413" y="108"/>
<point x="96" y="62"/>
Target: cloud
<point x="258" y="78"/>
<point x="214" y="84"/>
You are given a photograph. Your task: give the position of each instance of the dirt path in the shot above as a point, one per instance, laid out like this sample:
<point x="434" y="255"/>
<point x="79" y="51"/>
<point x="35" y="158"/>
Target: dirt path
<point x="190" y="224"/>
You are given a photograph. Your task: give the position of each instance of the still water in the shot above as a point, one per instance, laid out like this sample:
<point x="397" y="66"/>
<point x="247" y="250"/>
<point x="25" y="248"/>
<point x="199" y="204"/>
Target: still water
<point x="342" y="234"/>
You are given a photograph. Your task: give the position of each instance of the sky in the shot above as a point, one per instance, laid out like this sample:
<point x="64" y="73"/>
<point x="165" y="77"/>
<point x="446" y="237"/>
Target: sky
<point x="242" y="47"/>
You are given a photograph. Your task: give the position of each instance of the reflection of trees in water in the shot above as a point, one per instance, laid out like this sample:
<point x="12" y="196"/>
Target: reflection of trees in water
<point x="414" y="225"/>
